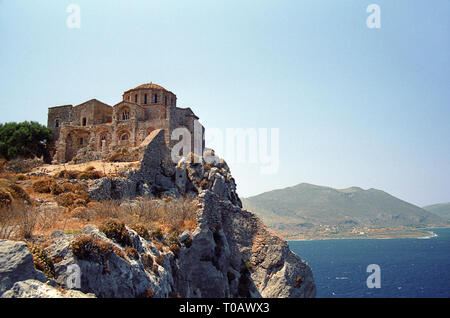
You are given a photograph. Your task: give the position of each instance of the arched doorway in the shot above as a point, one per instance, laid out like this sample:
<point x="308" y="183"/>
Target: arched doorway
<point x="124" y="137"/>
<point x="104" y="141"/>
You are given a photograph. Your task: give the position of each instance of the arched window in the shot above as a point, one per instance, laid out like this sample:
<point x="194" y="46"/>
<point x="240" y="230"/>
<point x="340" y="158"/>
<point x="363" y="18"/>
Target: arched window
<point x="104" y="137"/>
<point x="135" y="98"/>
<point x="57" y="123"/>
<point x="84" y="121"/>
<point x="125" y="114"/>
<point x="145" y="98"/>
<point x="155" y="98"/>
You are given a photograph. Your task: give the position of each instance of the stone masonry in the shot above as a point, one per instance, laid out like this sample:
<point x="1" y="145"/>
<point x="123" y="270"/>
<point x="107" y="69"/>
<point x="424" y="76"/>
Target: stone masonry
<point x="98" y="129"/>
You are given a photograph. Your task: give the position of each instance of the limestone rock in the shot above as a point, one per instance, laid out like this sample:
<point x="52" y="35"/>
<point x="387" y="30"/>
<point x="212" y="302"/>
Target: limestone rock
<point x="231" y="253"/>
<point x="114" y="274"/>
<point x="16" y="264"/>
<point x="35" y="289"/>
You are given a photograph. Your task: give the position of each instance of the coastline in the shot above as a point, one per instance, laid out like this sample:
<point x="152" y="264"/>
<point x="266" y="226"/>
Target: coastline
<point x="428" y="231"/>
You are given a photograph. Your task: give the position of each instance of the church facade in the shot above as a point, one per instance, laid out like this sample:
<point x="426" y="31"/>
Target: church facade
<point x="99" y="129"/>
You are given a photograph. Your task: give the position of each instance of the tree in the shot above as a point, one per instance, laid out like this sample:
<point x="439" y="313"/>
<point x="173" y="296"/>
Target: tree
<point x="24" y="140"/>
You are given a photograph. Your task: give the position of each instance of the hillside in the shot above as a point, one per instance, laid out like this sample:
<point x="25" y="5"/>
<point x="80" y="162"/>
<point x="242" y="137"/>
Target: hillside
<point x="307" y="208"/>
<point x="441" y="209"/>
<point x="155" y="228"/>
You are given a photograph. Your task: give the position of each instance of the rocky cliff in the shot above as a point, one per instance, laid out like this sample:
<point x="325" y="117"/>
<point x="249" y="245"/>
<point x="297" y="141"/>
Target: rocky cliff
<point x="230" y="253"/>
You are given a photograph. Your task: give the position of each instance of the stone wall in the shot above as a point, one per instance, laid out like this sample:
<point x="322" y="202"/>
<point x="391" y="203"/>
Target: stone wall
<point x="94" y="126"/>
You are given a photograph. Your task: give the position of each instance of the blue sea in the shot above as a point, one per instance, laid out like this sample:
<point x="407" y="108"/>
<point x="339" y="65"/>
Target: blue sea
<point x="408" y="267"/>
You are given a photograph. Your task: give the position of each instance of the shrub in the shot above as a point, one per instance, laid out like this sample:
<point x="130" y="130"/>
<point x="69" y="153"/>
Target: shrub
<point x="42" y="261"/>
<point x="203" y="184"/>
<point x="116" y="231"/>
<point x="18" y="193"/>
<point x="75" y="198"/>
<point x="56" y="189"/>
<point x="43" y="185"/>
<point x="67" y="174"/>
<point x="25" y="217"/>
<point x="142" y="231"/>
<point x="81" y="213"/>
<point x="147" y="262"/>
<point x="66" y="199"/>
<point x="18" y="219"/>
<point x="188" y="242"/>
<point x="132" y="252"/>
<point x="173" y="238"/>
<point x="87" y="247"/>
<point x="119" y="252"/>
<point x="158" y="234"/>
<point x="5" y="198"/>
<point x="298" y="282"/>
<point x="160" y="260"/>
<point x="90" y="175"/>
<point x="175" y="248"/>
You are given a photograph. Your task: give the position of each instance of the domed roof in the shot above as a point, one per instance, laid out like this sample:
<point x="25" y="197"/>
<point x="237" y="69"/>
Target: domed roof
<point x="150" y="86"/>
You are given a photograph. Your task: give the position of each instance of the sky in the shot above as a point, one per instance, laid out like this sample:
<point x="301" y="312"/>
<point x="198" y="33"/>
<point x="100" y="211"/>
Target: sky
<point x="354" y="106"/>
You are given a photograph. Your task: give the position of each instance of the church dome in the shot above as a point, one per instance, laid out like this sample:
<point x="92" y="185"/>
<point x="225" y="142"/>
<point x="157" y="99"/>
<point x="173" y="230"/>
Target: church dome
<point x="150" y="93"/>
<point x="150" y="86"/>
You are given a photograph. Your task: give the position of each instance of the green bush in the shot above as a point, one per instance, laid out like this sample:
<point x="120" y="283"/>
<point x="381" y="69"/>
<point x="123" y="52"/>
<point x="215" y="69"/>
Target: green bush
<point x="25" y="140"/>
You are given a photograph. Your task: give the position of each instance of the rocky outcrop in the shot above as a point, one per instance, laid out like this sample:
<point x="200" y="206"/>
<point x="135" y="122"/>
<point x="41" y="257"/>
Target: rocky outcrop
<point x="35" y="289"/>
<point x="107" y="270"/>
<point x="16" y="264"/>
<point x="19" y="278"/>
<point x="230" y="253"/>
<point x="234" y="255"/>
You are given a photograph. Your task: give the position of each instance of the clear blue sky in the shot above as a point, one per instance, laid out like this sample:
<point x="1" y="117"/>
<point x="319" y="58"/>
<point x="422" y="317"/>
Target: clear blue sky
<point x="355" y="106"/>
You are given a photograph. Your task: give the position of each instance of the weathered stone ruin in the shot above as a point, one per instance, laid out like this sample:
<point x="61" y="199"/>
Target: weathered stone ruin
<point x="94" y="130"/>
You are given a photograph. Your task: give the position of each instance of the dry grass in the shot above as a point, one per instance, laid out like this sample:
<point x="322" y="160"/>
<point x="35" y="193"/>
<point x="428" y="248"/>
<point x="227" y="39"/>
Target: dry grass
<point x="21" y="165"/>
<point x="88" y="174"/>
<point x="39" y="205"/>
<point x="18" y="221"/>
<point x="150" y="215"/>
<point x="9" y="192"/>
<point x="106" y="168"/>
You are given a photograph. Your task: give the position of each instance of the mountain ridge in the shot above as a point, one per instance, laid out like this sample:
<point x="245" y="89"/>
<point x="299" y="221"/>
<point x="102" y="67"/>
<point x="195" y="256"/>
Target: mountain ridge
<point x="440" y="209"/>
<point x="292" y="209"/>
